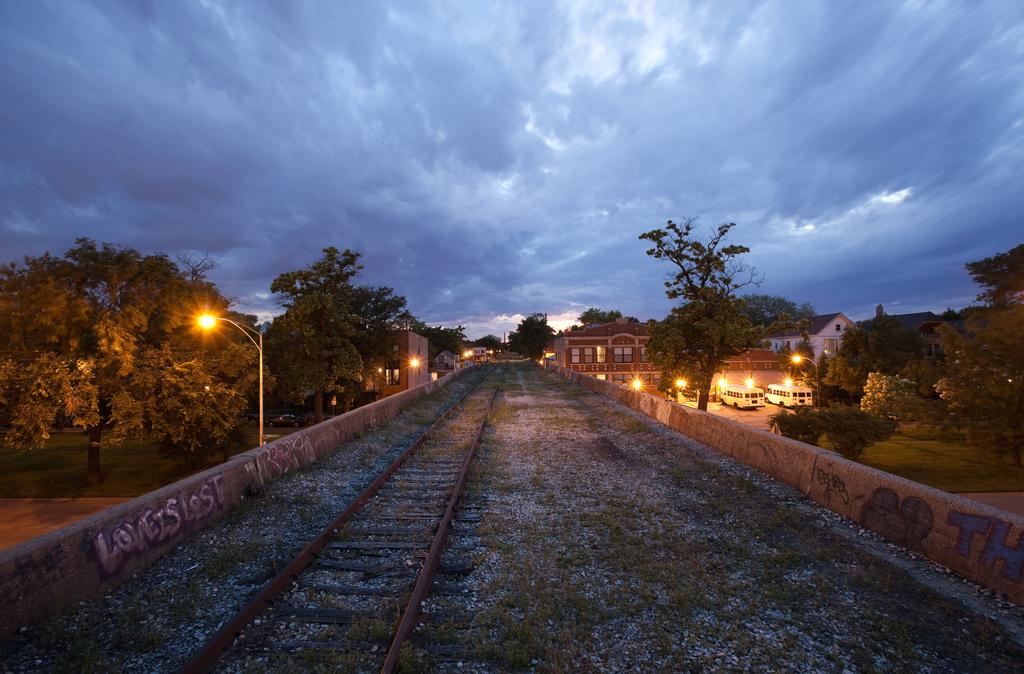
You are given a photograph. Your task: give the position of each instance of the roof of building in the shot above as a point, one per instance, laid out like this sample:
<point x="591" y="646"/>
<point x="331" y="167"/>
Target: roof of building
<point x="753" y="356"/>
<point x="817" y="324"/>
<point x="608" y="329"/>
<point x="915" y="321"/>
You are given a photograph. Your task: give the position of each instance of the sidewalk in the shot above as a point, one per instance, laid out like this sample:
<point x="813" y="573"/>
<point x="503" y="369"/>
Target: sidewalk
<point x="24" y="518"/>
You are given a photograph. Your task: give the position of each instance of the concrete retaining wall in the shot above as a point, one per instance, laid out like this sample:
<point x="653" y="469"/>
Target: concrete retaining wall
<point x="981" y="543"/>
<point x="89" y="557"/>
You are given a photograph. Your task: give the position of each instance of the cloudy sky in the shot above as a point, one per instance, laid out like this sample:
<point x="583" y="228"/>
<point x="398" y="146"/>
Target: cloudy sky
<point x="492" y="160"/>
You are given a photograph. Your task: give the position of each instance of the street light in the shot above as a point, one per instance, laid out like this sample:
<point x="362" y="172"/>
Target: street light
<point x="797" y="359"/>
<point x="208" y="321"/>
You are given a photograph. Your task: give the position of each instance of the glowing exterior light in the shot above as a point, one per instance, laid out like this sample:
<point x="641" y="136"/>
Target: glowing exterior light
<point x="680" y="383"/>
<point x="749" y="382"/>
<point x="208" y="321"/>
<point x="467" y="354"/>
<point x="722" y="382"/>
<point x="637" y="384"/>
<point x="789" y="382"/>
<point x="379" y="370"/>
<point x="797" y="359"/>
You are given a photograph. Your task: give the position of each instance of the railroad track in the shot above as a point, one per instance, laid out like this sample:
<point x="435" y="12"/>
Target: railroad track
<point x="352" y="597"/>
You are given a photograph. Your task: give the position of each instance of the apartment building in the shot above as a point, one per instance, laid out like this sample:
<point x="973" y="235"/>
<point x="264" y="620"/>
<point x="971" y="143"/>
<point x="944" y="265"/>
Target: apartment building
<point x="613" y="351"/>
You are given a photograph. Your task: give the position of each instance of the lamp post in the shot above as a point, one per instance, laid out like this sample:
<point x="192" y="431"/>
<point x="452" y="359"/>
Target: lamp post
<point x="797" y="359"/>
<point x="208" y="321"/>
<point x="680" y="388"/>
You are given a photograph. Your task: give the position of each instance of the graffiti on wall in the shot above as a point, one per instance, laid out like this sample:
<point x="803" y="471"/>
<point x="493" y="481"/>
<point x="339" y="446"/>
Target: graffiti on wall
<point x="995" y="533"/>
<point x="156" y="526"/>
<point x="907" y="523"/>
<point x="833" y="485"/>
<point x="279" y="458"/>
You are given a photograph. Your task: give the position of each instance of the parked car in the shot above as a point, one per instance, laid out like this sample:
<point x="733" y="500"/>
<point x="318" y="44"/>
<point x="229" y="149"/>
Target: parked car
<point x="285" y="420"/>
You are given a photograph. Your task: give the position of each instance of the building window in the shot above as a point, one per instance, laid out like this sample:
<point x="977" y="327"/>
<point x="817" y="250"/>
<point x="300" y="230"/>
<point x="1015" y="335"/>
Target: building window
<point x="602" y="377"/>
<point x="622" y="354"/>
<point x="588" y="354"/>
<point x="839" y="328"/>
<point x="602" y="354"/>
<point x="643" y="354"/>
<point x="620" y="378"/>
<point x="391" y="373"/>
<point x="574" y="355"/>
<point x="830" y="345"/>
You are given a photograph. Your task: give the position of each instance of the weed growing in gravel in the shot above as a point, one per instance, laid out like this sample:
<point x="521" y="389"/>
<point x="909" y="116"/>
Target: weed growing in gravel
<point x="228" y="558"/>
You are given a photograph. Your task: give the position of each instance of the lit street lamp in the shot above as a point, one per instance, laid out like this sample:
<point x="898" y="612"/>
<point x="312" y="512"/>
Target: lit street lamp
<point x="208" y="321"/>
<point x="797" y="359"/>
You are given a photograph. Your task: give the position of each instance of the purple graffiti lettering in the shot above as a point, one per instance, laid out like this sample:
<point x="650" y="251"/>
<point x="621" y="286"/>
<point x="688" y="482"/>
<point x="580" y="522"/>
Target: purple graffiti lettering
<point x="152" y="527"/>
<point x="998" y="548"/>
<point x="110" y="557"/>
<point x="969" y="525"/>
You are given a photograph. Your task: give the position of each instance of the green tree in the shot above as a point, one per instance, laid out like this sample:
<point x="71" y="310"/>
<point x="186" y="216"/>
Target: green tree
<point x="882" y="344"/>
<point x="440" y="338"/>
<point x="531" y="336"/>
<point x="983" y="382"/>
<point x="1002" y="276"/>
<point x="890" y="397"/>
<point x="599" y="316"/>
<point x="710" y="325"/>
<point x="489" y="342"/>
<point x="311" y="345"/>
<point x="766" y="310"/>
<point x="378" y="312"/>
<point x="86" y="323"/>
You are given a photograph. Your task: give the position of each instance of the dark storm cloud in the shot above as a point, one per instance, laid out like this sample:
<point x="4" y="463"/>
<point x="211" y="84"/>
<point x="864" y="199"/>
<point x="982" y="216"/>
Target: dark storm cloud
<point x="499" y="162"/>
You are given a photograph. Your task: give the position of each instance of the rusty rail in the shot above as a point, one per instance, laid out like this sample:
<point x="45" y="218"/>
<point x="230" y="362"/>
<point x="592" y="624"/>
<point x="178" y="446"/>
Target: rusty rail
<point x="411" y="615"/>
<point x="222" y="640"/>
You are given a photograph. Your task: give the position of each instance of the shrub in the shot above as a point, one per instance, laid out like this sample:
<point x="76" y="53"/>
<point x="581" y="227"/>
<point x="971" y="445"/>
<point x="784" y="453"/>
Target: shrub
<point x="803" y="424"/>
<point x="851" y="430"/>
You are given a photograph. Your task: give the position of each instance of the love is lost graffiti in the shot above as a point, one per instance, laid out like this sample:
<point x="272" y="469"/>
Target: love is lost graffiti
<point x="156" y="526"/>
<point x="996" y="536"/>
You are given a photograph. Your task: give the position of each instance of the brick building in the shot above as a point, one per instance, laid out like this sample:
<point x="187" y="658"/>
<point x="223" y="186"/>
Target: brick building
<point x="406" y="365"/>
<point x="613" y="351"/>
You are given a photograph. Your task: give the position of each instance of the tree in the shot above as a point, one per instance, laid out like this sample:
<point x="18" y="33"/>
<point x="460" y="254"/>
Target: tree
<point x="86" y="323"/>
<point x="531" y="336"/>
<point x="1002" y="276"/>
<point x="890" y="397"/>
<point x="767" y="309"/>
<point x="984" y="378"/>
<point x="709" y="326"/>
<point x="311" y="345"/>
<point x="882" y="344"/>
<point x="378" y="313"/>
<point x="489" y="342"/>
<point x="440" y="338"/>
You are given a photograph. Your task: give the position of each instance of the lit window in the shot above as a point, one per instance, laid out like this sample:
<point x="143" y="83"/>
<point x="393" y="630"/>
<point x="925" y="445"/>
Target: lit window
<point x="392" y="373"/>
<point x="602" y="354"/>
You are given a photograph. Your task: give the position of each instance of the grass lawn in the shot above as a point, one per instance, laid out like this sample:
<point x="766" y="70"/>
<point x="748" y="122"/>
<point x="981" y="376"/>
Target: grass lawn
<point x="944" y="461"/>
<point x="58" y="469"/>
